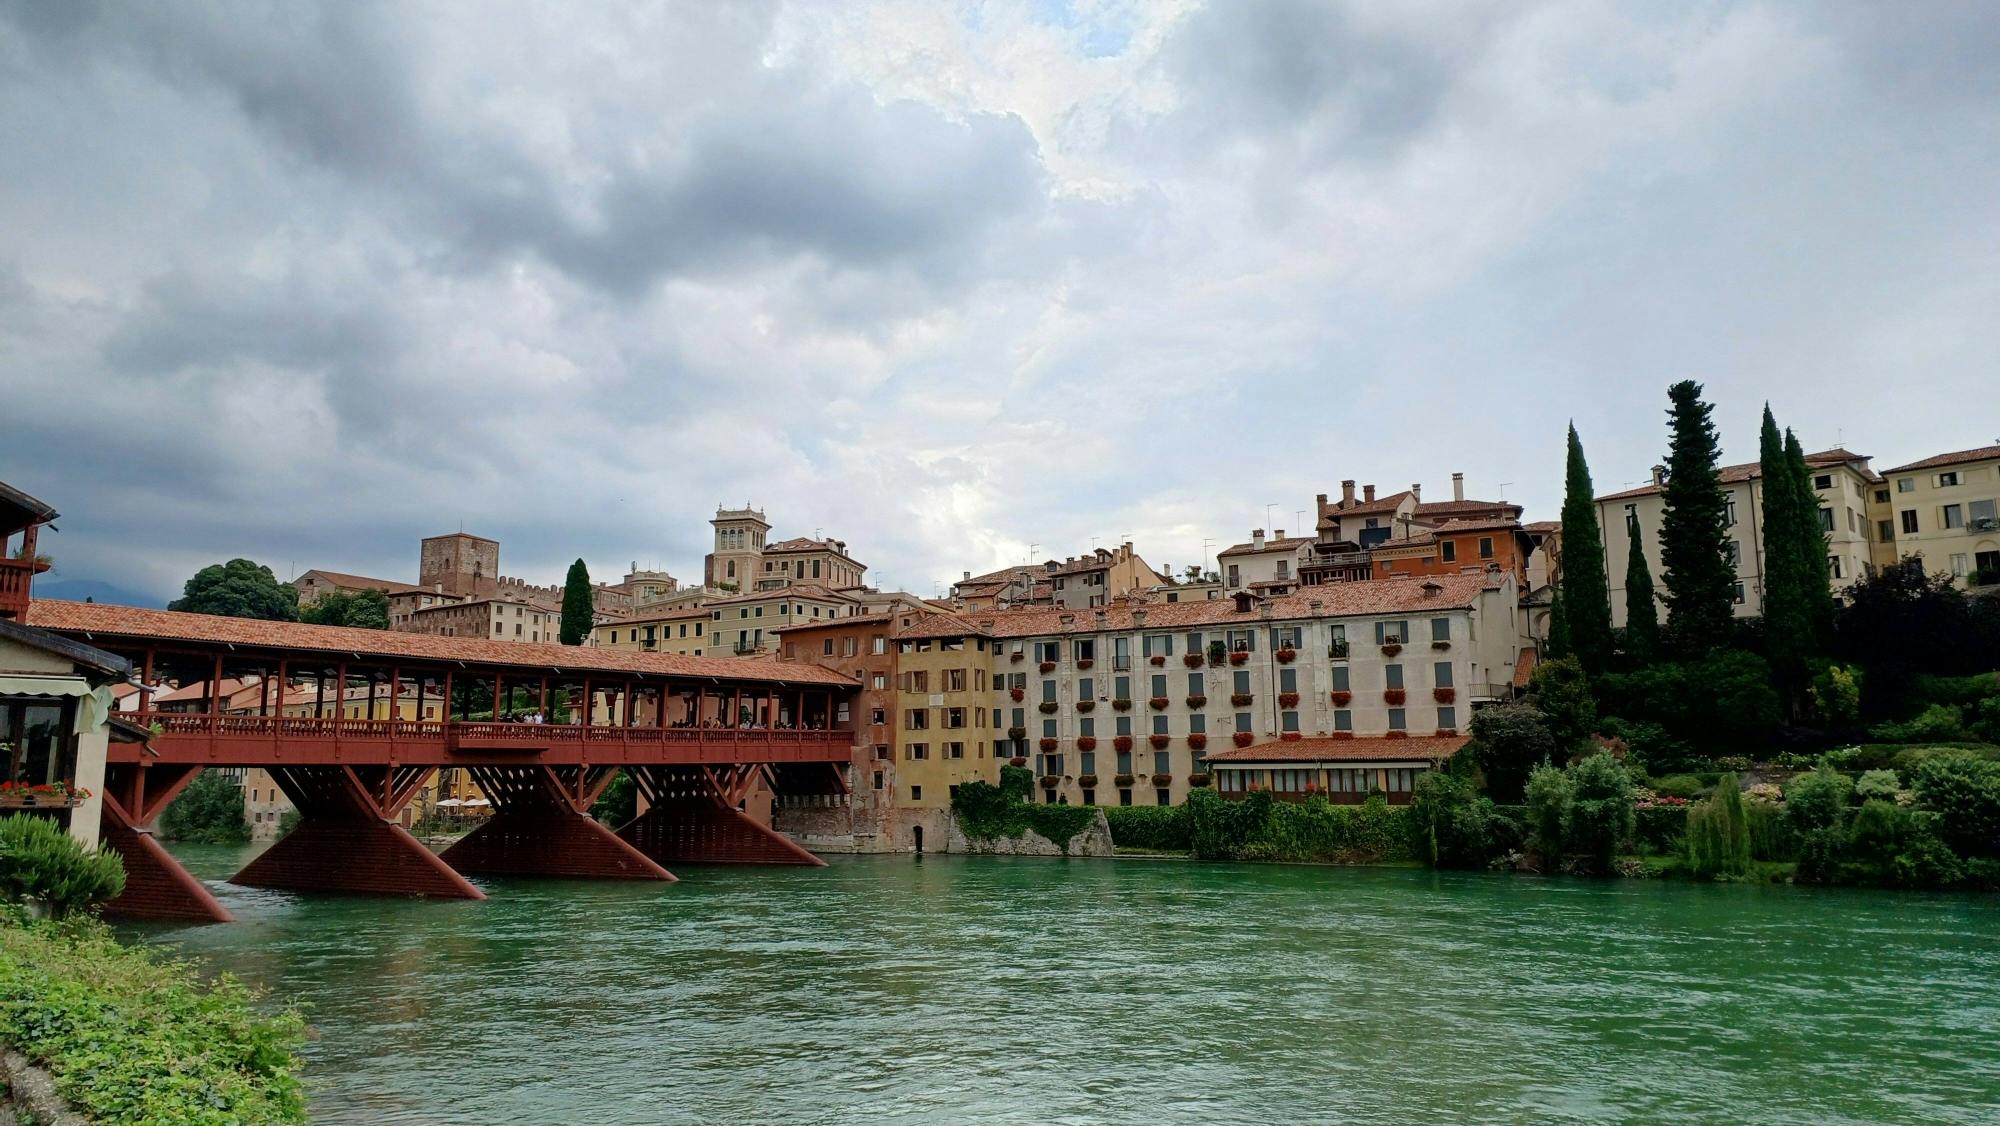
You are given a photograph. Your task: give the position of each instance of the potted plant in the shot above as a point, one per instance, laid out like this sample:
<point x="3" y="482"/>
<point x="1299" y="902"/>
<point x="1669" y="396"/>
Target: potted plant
<point x="1342" y="698"/>
<point x="1047" y="745"/>
<point x="1287" y="655"/>
<point x="1018" y="657"/>
<point x="1086" y="705"/>
<point x="1121" y="742"/>
<point x="1218" y="652"/>
<point x="1047" y="666"/>
<point x="1122" y="780"/>
<point x="1444" y="695"/>
<point x="1341" y="735"/>
<point x="1018" y="761"/>
<point x="1084" y="662"/>
<point x="1337" y="650"/>
<point x="1239" y="656"/>
<point x="1121" y="704"/>
<point x="1017" y="694"/>
<point x="1192" y="660"/>
<point x="1159" y="742"/>
<point x="1017" y="733"/>
<point x="1290" y="736"/>
<point x="1398" y="733"/>
<point x="1163" y="779"/>
<point x="1087" y="781"/>
<point x="1391" y="647"/>
<point x="1051" y="781"/>
<point x="1240" y="699"/>
<point x="1197" y="741"/>
<point x="1440" y="646"/>
<point x="1197" y="701"/>
<point x="1288" y="699"/>
<point x="1197" y="780"/>
<point x="1048" y="707"/>
<point x="1157" y="659"/>
<point x="1394" y="697"/>
<point x="1312" y="788"/>
<point x="1244" y="738"/>
<point x="1157" y="703"/>
<point x="1086" y="742"/>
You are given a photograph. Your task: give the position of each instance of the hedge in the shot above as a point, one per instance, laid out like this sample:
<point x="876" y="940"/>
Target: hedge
<point x="1161" y="827"/>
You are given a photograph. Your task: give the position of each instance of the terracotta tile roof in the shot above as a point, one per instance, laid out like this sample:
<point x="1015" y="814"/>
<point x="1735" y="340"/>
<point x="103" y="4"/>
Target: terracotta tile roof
<point x="1983" y="453"/>
<point x="1289" y="543"/>
<point x="1750" y="471"/>
<point x="1543" y="527"/>
<point x="106" y="622"/>
<point x="1418" y="748"/>
<point x="811" y="591"/>
<point x="468" y="603"/>
<point x="198" y="690"/>
<point x="345" y="581"/>
<point x="805" y="543"/>
<point x="1524" y="666"/>
<point x="1399" y="595"/>
<point x="944" y="625"/>
<point x="1467" y="508"/>
<point x="851" y="621"/>
<point x="1474" y="524"/>
<point x="1388" y="503"/>
<point x="683" y="614"/>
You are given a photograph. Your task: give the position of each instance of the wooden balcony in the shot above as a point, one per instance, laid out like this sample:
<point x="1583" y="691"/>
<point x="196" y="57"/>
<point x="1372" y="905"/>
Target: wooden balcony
<point x="16" y="575"/>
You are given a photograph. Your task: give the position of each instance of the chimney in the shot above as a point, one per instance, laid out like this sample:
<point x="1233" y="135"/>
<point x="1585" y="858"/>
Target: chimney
<point x="1256" y="539"/>
<point x="967" y="578"/>
<point x="1659" y="475"/>
<point x="1417" y="490"/>
<point x="1346" y="493"/>
<point x="1103" y="616"/>
<point x="1458" y="486"/>
<point x="1432" y="588"/>
<point x="1138" y="616"/>
<point x="1368" y="493"/>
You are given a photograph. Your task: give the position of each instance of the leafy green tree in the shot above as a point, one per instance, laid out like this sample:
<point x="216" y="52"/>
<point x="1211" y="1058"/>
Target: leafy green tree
<point x="1602" y="810"/>
<point x="1586" y="591"/>
<point x="619" y="803"/>
<point x="239" y="588"/>
<point x="1718" y="833"/>
<point x="1694" y="550"/>
<point x="1449" y="822"/>
<point x="1561" y="692"/>
<point x="1836" y="696"/>
<point x="208" y="811"/>
<point x="356" y="609"/>
<point x="578" y="612"/>
<point x="1507" y="741"/>
<point x="39" y="860"/>
<point x="1548" y="806"/>
<point x="1642" y="606"/>
<point x="1788" y="631"/>
<point x="1557" y="644"/>
<point x="1816" y="807"/>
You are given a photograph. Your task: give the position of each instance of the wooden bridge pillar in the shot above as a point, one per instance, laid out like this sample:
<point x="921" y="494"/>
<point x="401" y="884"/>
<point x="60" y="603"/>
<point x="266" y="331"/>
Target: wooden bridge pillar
<point x="541" y="826"/>
<point x="692" y="816"/>
<point x="347" y="839"/>
<point x="156" y="886"/>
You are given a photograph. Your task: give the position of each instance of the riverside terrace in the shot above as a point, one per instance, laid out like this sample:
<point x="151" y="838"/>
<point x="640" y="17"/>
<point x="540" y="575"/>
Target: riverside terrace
<point x="697" y="734"/>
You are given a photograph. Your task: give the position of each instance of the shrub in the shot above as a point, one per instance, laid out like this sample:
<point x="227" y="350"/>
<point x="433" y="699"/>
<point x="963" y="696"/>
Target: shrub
<point x="1876" y="836"/>
<point x="1964" y="791"/>
<point x="1548" y="804"/>
<point x="1937" y="723"/>
<point x="1718" y="833"/>
<point x="1317" y="830"/>
<point x="1219" y="829"/>
<point x="1599" y="819"/>
<point x="1680" y="786"/>
<point x="1877" y="784"/>
<point x="40" y="861"/>
<point x="133" y="1037"/>
<point x="1771" y="836"/>
<point x="1816" y="800"/>
<point x="1507" y="741"/>
<point x="208" y="811"/>
<point x="1148" y="826"/>
<point x="1927" y="862"/>
<point x="1448" y="822"/>
<point x="1648" y="746"/>
<point x="1561" y="692"/>
<point x="1836" y="696"/>
<point x="1660" y="829"/>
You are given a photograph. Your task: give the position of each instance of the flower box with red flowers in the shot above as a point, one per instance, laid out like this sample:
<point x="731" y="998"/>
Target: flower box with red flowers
<point x="1159" y="742"/>
<point x="1087" y="781"/>
<point x="1197" y="701"/>
<point x="1244" y="738"/>
<point x="1121" y="704"/>
<point x="1444" y="695"/>
<point x="1048" y="745"/>
<point x="1163" y="779"/>
<point x="1121" y="742"/>
<point x="1051" y="781"/>
<point x="1017" y="694"/>
<point x="1157" y="659"/>
<point x="1086" y="742"/>
<point x="1017" y="733"/>
<point x="1047" y="666"/>
<point x="1018" y="657"/>
<point x="1287" y="655"/>
<point x="1392" y="648"/>
<point x="1018" y="761"/>
<point x="1084" y="662"/>
<point x="1197" y="741"/>
<point x="1288" y="699"/>
<point x="1238" y="657"/>
<point x="1290" y="736"/>
<point x="1240" y="699"/>
<point x="1086" y="705"/>
<point x="1122" y="779"/>
<point x="41" y="795"/>
<point x="1396" y="734"/>
<point x="1192" y="660"/>
<point x="1394" y="697"/>
<point x="1157" y="703"/>
<point x="1341" y="735"/>
<point x="1197" y="780"/>
<point x="1342" y="699"/>
<point x="1444" y="732"/>
<point x="1048" y="707"/>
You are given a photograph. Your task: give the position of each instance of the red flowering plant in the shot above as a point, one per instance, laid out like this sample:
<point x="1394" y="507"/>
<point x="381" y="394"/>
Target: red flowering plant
<point x="1342" y="699"/>
<point x="1121" y="704"/>
<point x="1121" y="742"/>
<point x="1084" y="662"/>
<point x="1197" y="741"/>
<point x="1288" y="699"/>
<point x="1086" y="705"/>
<point x="1017" y="694"/>
<point x="1398" y="733"/>
<point x="1048" y="745"/>
<point x="1290" y="736"/>
<point x="1157" y="703"/>
<point x="1240" y="699"/>
<point x="1197" y="701"/>
<point x="1086" y="742"/>
<point x="1444" y="695"/>
<point x="1048" y="666"/>
<point x="1018" y="760"/>
<point x="1158" y="659"/>
<point x="1287" y="655"/>
<point x="1394" y="697"/>
<point x="1159" y="742"/>
<point x="1244" y="738"/>
<point x="1238" y="656"/>
<point x="1192" y="660"/>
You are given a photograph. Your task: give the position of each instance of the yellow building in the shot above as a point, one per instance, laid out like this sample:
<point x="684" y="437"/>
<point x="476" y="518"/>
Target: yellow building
<point x="682" y="630"/>
<point x="1946" y="511"/>
<point x="746" y="624"/>
<point x="942" y="731"/>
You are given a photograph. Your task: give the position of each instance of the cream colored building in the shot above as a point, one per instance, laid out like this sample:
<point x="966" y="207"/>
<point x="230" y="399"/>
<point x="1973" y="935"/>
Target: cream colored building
<point x="682" y="630"/>
<point x="746" y="624"/>
<point x="496" y="619"/>
<point x="804" y="560"/>
<point x="1844" y="484"/>
<point x="1946" y="511"/>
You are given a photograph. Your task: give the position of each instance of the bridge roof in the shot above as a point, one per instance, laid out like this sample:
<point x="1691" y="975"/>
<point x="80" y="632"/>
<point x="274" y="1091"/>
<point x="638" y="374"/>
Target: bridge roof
<point x="101" y="622"/>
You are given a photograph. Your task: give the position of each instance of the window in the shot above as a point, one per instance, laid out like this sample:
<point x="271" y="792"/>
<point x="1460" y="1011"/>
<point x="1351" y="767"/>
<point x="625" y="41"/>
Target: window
<point x="1195" y="685"/>
<point x="1157" y="645"/>
<point x="954" y="750"/>
<point x="1450" y="550"/>
<point x="1983" y="515"/>
<point x="1086" y="649"/>
<point x="1733" y="551"/>
<point x="1448" y="718"/>
<point x="1397" y="719"/>
<point x="1284" y="571"/>
<point x="1392" y="676"/>
<point x="1121" y="688"/>
<point x="1121" y="653"/>
<point x="1122" y="725"/>
<point x="1089" y="795"/>
<point x="1160" y="724"/>
<point x="1288" y="721"/>
<point x="1729" y="513"/>
<point x="1486" y="547"/>
<point x="1163" y="796"/>
<point x="1163" y="762"/>
<point x="1240" y="681"/>
<point x="1124" y="762"/>
<point x="916" y="751"/>
<point x="1234" y="578"/>
<point x="916" y="719"/>
<point x="1124" y="797"/>
<point x="1242" y="641"/>
<point x="1088" y="763"/>
<point x="1288" y="679"/>
<point x="1826" y="519"/>
<point x="954" y="718"/>
<point x="954" y="680"/>
<point x="1947" y="480"/>
<point x="1906" y="484"/>
<point x="878" y="716"/>
<point x="1198" y="723"/>
<point x="1048" y="691"/>
<point x="916" y="792"/>
<point x="1736" y="592"/>
<point x="1242" y="721"/>
<point x="1441" y="674"/>
<point x="1159" y="684"/>
<point x="1823" y="481"/>
<point x="1086" y="689"/>
<point x="1958" y="567"/>
<point x="1440" y="629"/>
<point x="1954" y="517"/>
<point x="1909" y="521"/>
<point x="1881" y="496"/>
<point x="1343" y="719"/>
<point x="1285" y="637"/>
<point x="1048" y="651"/>
<point x="1885" y="530"/>
<point x="1340" y="679"/>
<point x="878" y="644"/>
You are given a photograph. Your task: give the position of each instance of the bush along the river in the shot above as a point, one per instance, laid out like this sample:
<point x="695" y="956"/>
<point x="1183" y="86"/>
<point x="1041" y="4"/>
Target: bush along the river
<point x="44" y="870"/>
<point x="989" y="812"/>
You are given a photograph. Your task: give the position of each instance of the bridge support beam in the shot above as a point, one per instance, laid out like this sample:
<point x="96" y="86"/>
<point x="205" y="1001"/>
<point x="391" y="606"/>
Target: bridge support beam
<point x="542" y="826"/>
<point x="693" y="816"/>
<point x="156" y="886"/>
<point x="347" y="839"/>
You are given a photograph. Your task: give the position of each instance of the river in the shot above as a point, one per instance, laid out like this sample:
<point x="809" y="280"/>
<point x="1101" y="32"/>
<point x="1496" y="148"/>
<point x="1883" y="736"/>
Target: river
<point x="906" y="989"/>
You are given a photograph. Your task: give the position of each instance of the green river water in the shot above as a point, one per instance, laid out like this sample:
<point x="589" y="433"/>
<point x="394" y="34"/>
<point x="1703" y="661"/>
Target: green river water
<point x="907" y="989"/>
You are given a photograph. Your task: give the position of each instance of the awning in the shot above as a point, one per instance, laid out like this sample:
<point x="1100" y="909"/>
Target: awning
<point x="25" y="685"/>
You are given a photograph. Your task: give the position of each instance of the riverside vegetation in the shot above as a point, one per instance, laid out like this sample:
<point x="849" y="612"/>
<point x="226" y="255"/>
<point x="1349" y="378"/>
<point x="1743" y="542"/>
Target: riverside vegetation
<point x="130" y="1036"/>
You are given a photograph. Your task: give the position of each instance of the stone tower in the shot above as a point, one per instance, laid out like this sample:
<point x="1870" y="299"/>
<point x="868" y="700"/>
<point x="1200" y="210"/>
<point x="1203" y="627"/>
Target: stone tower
<point x="739" y="548"/>
<point x="459" y="564"/>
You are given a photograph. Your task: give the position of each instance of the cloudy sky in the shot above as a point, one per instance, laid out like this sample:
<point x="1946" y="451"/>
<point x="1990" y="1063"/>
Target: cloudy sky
<point x="307" y="282"/>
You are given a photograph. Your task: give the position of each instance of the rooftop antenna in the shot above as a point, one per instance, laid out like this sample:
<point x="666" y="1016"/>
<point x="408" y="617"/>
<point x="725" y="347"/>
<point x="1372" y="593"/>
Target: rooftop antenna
<point x="1031" y="553"/>
<point x="1299" y="514"/>
<point x="1267" y="513"/>
<point x="1503" y="489"/>
<point x="1206" y="543"/>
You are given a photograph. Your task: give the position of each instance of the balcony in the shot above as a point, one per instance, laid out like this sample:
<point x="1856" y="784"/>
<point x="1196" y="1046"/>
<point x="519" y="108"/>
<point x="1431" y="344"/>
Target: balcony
<point x="15" y="577"/>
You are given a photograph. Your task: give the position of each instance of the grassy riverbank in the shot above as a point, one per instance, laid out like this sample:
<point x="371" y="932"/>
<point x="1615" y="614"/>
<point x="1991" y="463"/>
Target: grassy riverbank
<point x="132" y="1036"/>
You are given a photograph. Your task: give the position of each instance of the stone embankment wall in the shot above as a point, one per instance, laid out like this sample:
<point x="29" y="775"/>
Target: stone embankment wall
<point x="1093" y="841"/>
<point x="30" y="1095"/>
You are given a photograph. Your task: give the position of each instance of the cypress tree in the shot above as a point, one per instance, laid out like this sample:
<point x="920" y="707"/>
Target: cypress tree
<point x="1787" y="630"/>
<point x="1693" y="542"/>
<point x="577" y="612"/>
<point x="1557" y="644"/>
<point x="1586" y="591"/>
<point x="1815" y="577"/>
<point x="1642" y="611"/>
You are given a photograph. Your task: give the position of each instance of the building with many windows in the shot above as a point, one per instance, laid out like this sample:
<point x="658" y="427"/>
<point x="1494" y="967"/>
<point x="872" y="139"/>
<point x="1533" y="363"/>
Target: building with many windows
<point x="1945" y="510"/>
